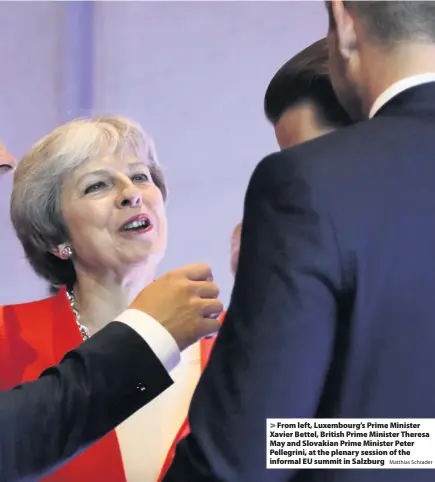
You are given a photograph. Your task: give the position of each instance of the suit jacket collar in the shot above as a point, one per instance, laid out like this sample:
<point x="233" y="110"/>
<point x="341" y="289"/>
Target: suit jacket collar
<point x="398" y="87"/>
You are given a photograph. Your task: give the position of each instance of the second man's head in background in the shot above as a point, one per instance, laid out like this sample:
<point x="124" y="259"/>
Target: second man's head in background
<point x="300" y="101"/>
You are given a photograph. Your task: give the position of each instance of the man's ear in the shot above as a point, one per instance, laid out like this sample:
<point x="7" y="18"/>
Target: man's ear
<point x="62" y="251"/>
<point x="344" y="27"/>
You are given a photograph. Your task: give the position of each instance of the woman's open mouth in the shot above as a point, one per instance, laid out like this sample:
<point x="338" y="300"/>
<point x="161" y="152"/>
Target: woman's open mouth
<point x="137" y="224"/>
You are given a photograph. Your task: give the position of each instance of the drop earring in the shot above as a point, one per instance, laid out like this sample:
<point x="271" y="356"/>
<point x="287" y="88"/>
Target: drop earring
<point x="66" y="252"/>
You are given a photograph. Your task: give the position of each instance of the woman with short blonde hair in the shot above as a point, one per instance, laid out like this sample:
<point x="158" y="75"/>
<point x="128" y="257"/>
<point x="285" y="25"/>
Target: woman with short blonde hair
<point x="88" y="206"/>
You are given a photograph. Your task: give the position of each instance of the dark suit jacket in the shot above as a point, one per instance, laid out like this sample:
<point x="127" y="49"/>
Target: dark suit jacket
<point x="333" y="308"/>
<point x="96" y="387"/>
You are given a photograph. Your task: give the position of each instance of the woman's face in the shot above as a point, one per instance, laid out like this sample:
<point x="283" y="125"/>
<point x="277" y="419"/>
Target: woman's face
<point x="115" y="215"/>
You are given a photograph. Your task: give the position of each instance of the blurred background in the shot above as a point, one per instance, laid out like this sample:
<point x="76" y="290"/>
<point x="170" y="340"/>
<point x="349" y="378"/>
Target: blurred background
<point x="193" y="74"/>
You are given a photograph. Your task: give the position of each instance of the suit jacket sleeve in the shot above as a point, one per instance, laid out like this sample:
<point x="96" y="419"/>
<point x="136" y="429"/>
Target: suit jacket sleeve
<point x="93" y="389"/>
<point x="272" y="355"/>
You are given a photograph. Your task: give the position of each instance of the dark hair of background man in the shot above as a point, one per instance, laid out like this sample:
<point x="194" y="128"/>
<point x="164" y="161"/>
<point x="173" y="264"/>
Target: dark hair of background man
<point x="305" y="77"/>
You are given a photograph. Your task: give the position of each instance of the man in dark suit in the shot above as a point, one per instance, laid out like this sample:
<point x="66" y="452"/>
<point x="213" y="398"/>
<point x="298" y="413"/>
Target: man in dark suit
<point x="104" y="381"/>
<point x="332" y="312"/>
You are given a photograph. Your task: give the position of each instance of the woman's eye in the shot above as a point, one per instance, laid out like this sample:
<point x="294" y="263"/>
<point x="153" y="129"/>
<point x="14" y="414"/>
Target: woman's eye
<point x="95" y="187"/>
<point x="141" y="177"/>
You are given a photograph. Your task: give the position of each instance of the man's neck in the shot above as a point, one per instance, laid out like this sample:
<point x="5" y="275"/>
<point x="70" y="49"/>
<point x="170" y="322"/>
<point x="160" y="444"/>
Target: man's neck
<point x="384" y="69"/>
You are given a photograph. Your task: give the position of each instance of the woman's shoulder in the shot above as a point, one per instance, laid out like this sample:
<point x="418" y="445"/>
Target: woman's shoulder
<point x="33" y="336"/>
<point x="17" y="310"/>
<point x="29" y="305"/>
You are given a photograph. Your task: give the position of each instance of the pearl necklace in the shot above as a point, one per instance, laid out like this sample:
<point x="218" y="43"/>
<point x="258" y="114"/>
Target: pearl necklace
<point x="73" y="303"/>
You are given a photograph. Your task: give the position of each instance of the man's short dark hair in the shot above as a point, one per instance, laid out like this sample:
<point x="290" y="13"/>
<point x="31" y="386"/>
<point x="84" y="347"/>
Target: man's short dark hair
<point x="305" y="77"/>
<point x="390" y="22"/>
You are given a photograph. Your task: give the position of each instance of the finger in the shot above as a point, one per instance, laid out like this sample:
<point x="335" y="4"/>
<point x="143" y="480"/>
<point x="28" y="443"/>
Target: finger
<point x="208" y="327"/>
<point x="206" y="289"/>
<point x="198" y="272"/>
<point x="212" y="308"/>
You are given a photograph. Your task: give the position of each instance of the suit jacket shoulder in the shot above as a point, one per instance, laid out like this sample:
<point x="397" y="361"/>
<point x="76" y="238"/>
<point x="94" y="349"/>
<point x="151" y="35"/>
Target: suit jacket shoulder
<point x="351" y="155"/>
<point x="315" y="160"/>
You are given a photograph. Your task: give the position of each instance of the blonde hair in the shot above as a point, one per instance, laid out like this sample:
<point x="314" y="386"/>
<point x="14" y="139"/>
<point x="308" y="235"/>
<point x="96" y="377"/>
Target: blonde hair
<point x="35" y="203"/>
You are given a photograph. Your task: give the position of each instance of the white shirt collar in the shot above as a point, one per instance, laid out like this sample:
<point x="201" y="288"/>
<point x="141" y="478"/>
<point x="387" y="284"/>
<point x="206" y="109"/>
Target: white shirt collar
<point x="399" y="87"/>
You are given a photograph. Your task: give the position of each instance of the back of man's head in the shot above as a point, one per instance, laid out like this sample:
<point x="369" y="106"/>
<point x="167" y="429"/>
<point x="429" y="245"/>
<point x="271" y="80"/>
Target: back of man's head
<point x="392" y="22"/>
<point x="305" y="77"/>
<point x="300" y="101"/>
<point x="374" y="44"/>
